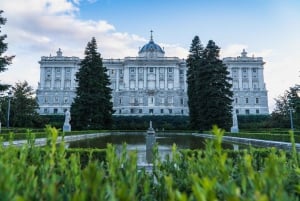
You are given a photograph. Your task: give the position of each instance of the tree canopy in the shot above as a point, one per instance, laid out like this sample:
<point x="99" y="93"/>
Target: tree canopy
<point x="286" y="104"/>
<point x="92" y="106"/>
<point x="209" y="88"/>
<point x="23" y="106"/>
<point x="4" y="60"/>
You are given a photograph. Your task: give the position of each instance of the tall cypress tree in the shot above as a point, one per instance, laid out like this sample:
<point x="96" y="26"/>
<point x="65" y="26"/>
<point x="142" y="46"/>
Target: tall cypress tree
<point x="4" y="60"/>
<point x="209" y="88"/>
<point x="193" y="63"/>
<point x="216" y="97"/>
<point x="92" y="106"/>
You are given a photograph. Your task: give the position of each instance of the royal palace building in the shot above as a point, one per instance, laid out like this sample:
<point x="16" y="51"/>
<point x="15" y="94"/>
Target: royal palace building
<point x="149" y="84"/>
<point x="249" y="89"/>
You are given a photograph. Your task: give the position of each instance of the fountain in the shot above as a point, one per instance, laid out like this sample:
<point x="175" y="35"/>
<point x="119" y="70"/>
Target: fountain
<point x="235" y="127"/>
<point x="150" y="142"/>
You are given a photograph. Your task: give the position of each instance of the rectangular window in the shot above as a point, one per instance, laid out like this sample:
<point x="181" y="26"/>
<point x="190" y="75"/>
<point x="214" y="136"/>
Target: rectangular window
<point x="68" y="73"/>
<point x="257" y="111"/>
<point x="247" y="100"/>
<point x="131" y="70"/>
<point x="151" y="70"/>
<point x="67" y="84"/>
<point x="57" y="72"/>
<point x="55" y="110"/>
<point x="56" y="99"/>
<point x="237" y="111"/>
<point x="161" y="111"/>
<point x="46" y="110"/>
<point x="257" y="100"/>
<point x="150" y="111"/>
<point x="131" y="99"/>
<point x="170" y="111"/>
<point x="131" y="110"/>
<point x="140" y="111"/>
<point x="247" y="111"/>
<point x="236" y="100"/>
<point x="57" y="84"/>
<point x="170" y="70"/>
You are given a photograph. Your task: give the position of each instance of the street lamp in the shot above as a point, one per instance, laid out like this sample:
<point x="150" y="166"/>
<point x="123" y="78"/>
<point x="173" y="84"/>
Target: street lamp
<point x="291" y="112"/>
<point x="9" y="95"/>
<point x="291" y="118"/>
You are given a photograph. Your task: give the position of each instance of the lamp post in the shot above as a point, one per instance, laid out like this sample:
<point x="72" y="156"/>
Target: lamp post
<point x="291" y="118"/>
<point x="291" y="110"/>
<point x="9" y="94"/>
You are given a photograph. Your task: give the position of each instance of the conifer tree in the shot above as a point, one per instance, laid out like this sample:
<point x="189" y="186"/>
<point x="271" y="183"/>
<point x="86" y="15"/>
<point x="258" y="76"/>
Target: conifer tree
<point x="23" y="105"/>
<point x="193" y="63"/>
<point x="92" y="106"/>
<point x="4" y="60"/>
<point x="216" y="97"/>
<point x="209" y="90"/>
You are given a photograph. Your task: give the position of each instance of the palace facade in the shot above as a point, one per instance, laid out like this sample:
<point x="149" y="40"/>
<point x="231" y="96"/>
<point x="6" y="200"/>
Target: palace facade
<point x="149" y="84"/>
<point x="249" y="89"/>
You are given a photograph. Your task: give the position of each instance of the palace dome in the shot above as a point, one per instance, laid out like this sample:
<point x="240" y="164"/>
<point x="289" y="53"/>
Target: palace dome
<point x="151" y="49"/>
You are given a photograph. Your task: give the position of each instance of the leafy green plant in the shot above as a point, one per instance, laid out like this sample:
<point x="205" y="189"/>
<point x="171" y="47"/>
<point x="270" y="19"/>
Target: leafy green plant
<point x="56" y="173"/>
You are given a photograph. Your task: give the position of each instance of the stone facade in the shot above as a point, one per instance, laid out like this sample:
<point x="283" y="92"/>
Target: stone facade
<point x="57" y="86"/>
<point x="149" y="84"/>
<point x="250" y="94"/>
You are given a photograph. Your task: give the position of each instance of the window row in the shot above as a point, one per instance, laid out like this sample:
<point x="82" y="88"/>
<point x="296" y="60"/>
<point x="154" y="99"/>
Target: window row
<point x="151" y="84"/>
<point x="151" y="100"/>
<point x="245" y="100"/>
<point x="245" y="85"/>
<point x="55" y="99"/>
<point x="150" y="70"/>
<point x="57" y="84"/>
<point x="149" y="111"/>
<point x="246" y="111"/>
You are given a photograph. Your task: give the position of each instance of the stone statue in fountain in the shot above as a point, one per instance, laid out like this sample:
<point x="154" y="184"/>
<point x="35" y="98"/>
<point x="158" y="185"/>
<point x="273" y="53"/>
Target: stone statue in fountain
<point x="150" y="130"/>
<point x="235" y="126"/>
<point x="67" y="126"/>
<point x="150" y="142"/>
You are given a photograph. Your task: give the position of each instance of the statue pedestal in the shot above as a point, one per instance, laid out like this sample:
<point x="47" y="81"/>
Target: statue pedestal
<point x="234" y="129"/>
<point x="66" y="128"/>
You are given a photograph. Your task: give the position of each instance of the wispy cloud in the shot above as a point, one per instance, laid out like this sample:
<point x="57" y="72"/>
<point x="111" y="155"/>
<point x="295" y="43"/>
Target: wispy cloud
<point x="41" y="27"/>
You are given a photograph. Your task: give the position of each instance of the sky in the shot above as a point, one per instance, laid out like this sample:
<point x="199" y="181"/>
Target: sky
<point x="264" y="28"/>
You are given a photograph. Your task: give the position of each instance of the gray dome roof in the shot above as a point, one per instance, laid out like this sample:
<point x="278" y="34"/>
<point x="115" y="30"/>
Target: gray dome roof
<point x="151" y="47"/>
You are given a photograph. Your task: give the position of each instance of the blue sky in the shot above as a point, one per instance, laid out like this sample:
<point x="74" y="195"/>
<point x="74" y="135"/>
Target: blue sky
<point x="265" y="28"/>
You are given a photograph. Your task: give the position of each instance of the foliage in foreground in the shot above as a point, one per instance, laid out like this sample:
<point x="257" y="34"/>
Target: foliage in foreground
<point x="53" y="173"/>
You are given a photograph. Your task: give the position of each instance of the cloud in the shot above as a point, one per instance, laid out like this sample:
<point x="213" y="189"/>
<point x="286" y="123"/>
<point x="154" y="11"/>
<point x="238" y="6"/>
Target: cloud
<point x="233" y="50"/>
<point x="174" y="50"/>
<point x="43" y="26"/>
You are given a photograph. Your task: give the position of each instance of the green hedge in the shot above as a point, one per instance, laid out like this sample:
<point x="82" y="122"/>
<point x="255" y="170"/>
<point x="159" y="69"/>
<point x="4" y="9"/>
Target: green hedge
<point x="55" y="173"/>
